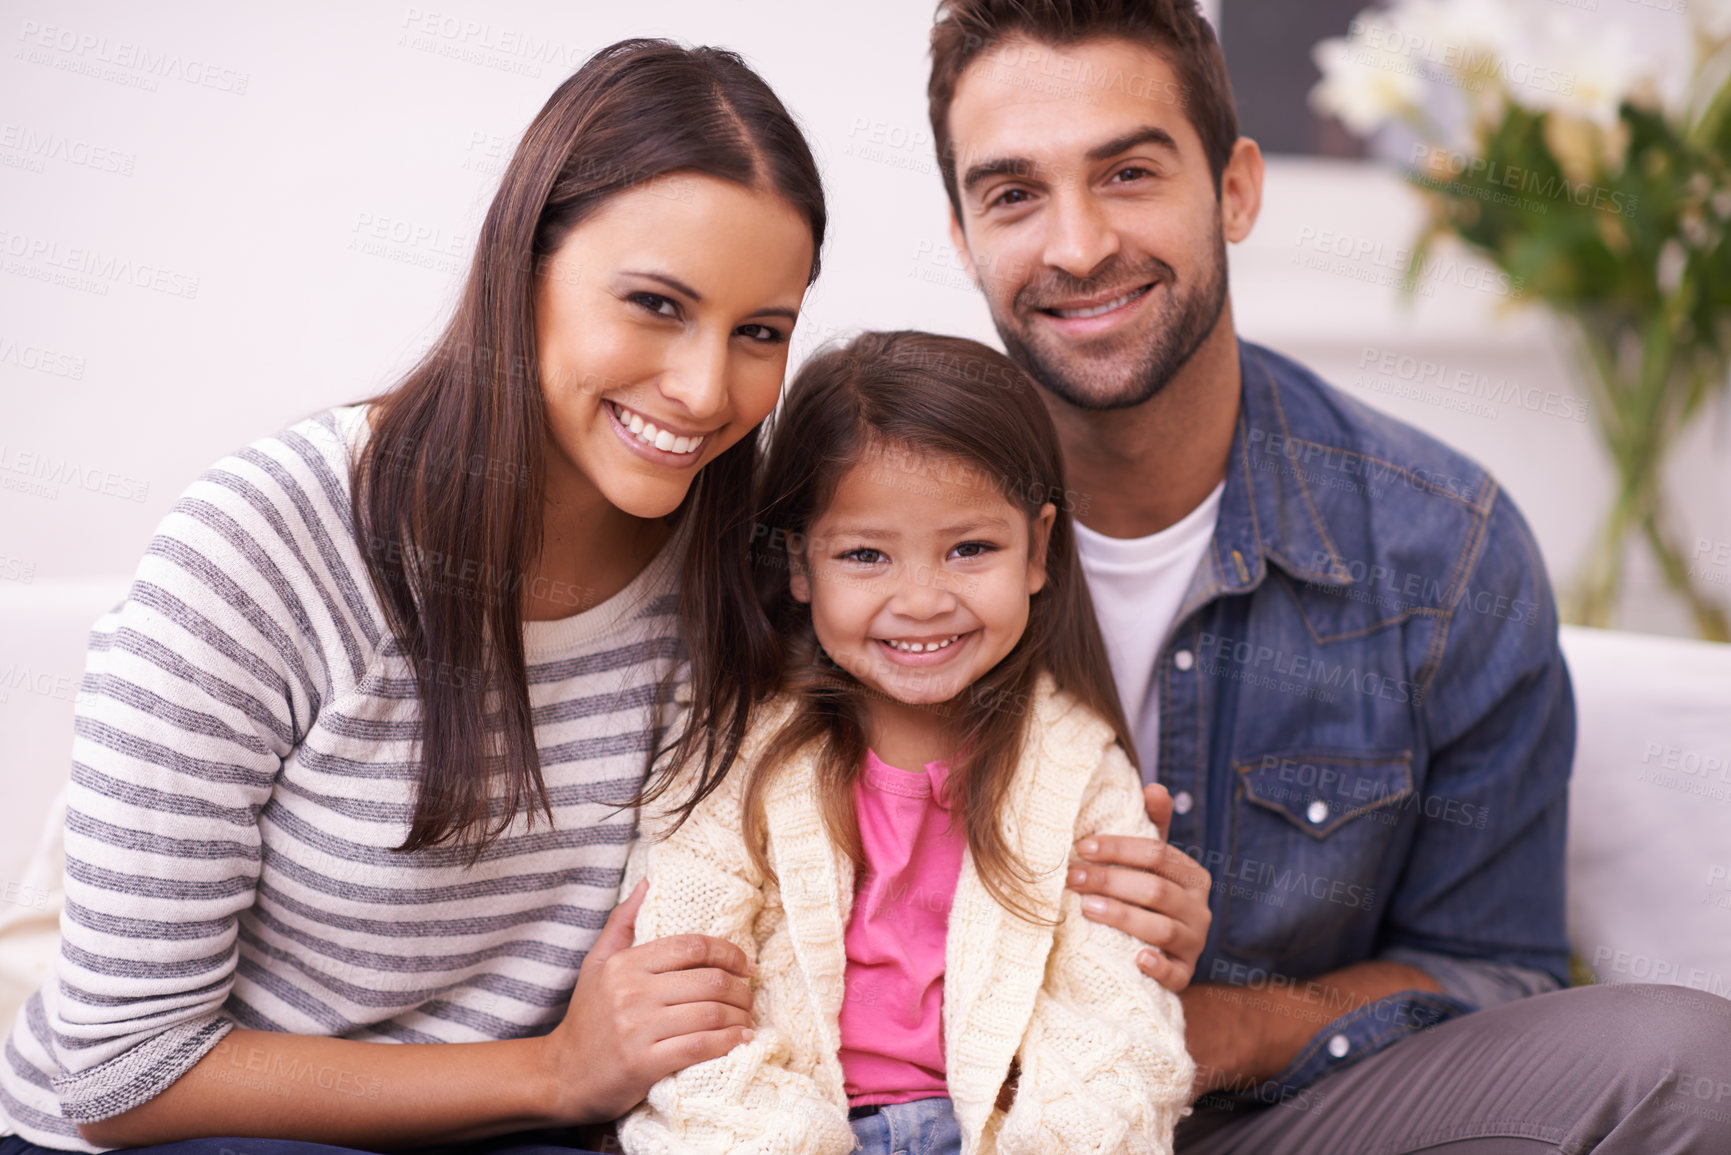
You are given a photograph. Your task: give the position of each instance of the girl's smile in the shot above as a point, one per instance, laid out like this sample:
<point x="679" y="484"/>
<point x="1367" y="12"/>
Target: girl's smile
<point x="918" y="574"/>
<point x="925" y="652"/>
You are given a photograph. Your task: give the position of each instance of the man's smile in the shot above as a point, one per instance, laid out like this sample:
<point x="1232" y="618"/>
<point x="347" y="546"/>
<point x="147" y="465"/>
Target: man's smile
<point x="1082" y="310"/>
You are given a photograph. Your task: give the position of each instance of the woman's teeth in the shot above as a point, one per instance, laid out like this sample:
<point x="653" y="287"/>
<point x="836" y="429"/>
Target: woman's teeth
<point x="1097" y="310"/>
<point x="646" y="432"/>
<point x="919" y="647"/>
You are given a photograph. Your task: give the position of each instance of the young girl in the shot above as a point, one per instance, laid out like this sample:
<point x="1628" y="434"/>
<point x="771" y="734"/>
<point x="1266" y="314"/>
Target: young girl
<point x="891" y="848"/>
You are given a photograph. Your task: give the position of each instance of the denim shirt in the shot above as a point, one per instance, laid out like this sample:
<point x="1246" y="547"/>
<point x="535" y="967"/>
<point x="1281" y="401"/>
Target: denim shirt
<point x="1365" y="721"/>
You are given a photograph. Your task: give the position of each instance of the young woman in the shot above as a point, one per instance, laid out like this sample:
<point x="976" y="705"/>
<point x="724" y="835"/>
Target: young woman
<point x="891" y="848"/>
<point x="347" y="813"/>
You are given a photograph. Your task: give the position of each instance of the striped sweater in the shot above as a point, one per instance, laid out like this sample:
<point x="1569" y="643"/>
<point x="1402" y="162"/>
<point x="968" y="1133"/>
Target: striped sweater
<point x="243" y="763"/>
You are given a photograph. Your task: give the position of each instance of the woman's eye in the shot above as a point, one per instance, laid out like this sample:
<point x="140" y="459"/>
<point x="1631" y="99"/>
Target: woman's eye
<point x="863" y="555"/>
<point x="768" y="334"/>
<point x="975" y="549"/>
<point x="655" y="303"/>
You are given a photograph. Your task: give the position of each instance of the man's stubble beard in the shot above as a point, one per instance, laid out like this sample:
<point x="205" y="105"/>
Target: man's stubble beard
<point x="1177" y="335"/>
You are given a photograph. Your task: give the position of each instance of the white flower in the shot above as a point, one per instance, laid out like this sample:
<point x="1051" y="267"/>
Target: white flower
<point x="1712" y="19"/>
<point x="1464" y="35"/>
<point x="1415" y="54"/>
<point x="1367" y="77"/>
<point x="1669" y="274"/>
<point x="1577" y="72"/>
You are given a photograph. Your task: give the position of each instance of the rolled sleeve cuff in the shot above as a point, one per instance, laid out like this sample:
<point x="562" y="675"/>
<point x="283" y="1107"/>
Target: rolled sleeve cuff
<point x="139" y="1075"/>
<point x="1357" y="1036"/>
<point x="1476" y="981"/>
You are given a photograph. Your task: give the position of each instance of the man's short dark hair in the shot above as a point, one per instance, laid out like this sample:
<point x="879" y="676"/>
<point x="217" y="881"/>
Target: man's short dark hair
<point x="1175" y="29"/>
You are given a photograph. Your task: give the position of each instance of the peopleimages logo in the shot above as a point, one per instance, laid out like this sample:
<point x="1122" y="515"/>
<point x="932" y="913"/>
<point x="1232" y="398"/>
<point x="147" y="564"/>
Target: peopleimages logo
<point x="82" y="51"/>
<point x="1425" y="374"/>
<point x="1315" y="460"/>
<point x="1236" y="658"/>
<point x="36" y="147"/>
<point x="41" y="360"/>
<point x="47" y="469"/>
<point x="1402" y="264"/>
<point x="105" y="267"/>
<point x="500" y="47"/>
<point x="1481" y="172"/>
<point x="1471" y="64"/>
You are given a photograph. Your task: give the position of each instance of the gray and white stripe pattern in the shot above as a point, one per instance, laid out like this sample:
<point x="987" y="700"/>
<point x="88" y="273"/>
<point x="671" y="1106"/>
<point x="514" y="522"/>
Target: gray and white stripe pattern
<point x="242" y="767"/>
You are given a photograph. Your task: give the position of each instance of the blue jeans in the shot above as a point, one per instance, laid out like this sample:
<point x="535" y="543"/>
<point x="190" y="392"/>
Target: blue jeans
<point x="921" y="1127"/>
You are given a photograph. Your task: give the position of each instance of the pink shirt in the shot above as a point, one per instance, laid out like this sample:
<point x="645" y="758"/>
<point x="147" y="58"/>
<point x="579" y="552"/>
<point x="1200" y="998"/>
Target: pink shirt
<point x="892" y="1039"/>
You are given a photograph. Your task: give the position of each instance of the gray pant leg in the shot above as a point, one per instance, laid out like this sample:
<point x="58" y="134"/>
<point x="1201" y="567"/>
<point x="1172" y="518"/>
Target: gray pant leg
<point x="1631" y="1069"/>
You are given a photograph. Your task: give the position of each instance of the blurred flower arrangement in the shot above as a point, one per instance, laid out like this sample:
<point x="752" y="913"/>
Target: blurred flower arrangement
<point x="1596" y="176"/>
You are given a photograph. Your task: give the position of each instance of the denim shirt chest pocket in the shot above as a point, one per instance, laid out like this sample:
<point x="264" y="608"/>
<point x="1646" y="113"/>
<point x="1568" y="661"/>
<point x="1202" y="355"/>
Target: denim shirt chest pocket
<point x="1310" y="830"/>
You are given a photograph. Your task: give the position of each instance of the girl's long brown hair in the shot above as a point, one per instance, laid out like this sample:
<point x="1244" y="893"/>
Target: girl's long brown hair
<point x="451" y="479"/>
<point x="953" y="401"/>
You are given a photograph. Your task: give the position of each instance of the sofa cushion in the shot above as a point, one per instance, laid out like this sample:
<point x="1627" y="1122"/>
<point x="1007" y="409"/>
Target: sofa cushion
<point x="1649" y="871"/>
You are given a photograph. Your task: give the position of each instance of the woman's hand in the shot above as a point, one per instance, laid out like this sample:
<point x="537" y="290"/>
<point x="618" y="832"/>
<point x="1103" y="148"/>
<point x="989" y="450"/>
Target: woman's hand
<point x="642" y="1012"/>
<point x="1151" y="890"/>
<point x="637" y="1014"/>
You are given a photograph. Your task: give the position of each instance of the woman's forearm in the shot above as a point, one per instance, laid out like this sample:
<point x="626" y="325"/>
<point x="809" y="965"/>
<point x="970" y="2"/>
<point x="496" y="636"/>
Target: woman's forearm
<point x="266" y="1085"/>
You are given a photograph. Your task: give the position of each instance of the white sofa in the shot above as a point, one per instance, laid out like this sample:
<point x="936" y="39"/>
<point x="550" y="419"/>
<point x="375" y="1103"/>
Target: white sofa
<point x="43" y="627"/>
<point x="1649" y="827"/>
<point x="1650" y="809"/>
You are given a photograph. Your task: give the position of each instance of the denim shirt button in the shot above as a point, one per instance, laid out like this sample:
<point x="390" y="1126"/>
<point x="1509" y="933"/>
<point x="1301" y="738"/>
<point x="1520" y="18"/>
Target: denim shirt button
<point x="1182" y="802"/>
<point x="1317" y="812"/>
<point x="1183" y="659"/>
<point x="1339" y="1046"/>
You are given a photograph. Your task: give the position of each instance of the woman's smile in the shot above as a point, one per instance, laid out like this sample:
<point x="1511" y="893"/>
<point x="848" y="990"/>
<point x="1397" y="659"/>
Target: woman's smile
<point x="683" y="307"/>
<point x="655" y="442"/>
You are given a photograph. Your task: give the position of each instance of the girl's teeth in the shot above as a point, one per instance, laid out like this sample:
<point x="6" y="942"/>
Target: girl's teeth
<point x="636" y="423"/>
<point x="922" y="647"/>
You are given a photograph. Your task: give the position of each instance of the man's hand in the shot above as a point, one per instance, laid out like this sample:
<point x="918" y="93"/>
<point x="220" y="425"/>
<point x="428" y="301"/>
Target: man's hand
<point x="1150" y="890"/>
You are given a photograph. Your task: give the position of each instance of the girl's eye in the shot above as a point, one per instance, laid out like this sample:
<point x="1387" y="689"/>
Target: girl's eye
<point x="975" y="549"/>
<point x="655" y="303"/>
<point x="768" y="334"/>
<point x="864" y="555"/>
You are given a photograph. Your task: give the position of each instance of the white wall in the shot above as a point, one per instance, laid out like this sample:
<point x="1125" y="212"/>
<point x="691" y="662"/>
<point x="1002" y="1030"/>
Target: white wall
<point x="240" y="155"/>
<point x="353" y="115"/>
<point x="1460" y="354"/>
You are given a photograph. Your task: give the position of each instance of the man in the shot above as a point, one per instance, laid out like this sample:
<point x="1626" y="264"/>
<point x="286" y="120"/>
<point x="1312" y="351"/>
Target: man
<point x="1333" y="635"/>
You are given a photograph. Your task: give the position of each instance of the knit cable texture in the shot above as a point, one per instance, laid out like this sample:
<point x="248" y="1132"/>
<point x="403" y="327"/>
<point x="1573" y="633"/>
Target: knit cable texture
<point x="1103" y="1066"/>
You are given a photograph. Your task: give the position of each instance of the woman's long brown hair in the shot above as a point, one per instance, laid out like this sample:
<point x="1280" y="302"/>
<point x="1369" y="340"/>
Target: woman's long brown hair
<point x="452" y="475"/>
<point x="948" y="400"/>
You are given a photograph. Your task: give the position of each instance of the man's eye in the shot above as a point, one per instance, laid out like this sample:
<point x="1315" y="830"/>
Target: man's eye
<point x="1013" y="196"/>
<point x="1130" y="173"/>
<point x="655" y="303"/>
<point x="863" y="555"/>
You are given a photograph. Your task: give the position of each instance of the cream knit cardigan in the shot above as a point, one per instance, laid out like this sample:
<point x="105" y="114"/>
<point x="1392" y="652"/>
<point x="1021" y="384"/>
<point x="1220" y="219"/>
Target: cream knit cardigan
<point x="1101" y="1046"/>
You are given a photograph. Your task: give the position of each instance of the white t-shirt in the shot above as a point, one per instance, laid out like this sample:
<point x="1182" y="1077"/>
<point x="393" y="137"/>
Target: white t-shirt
<point x="1138" y="585"/>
